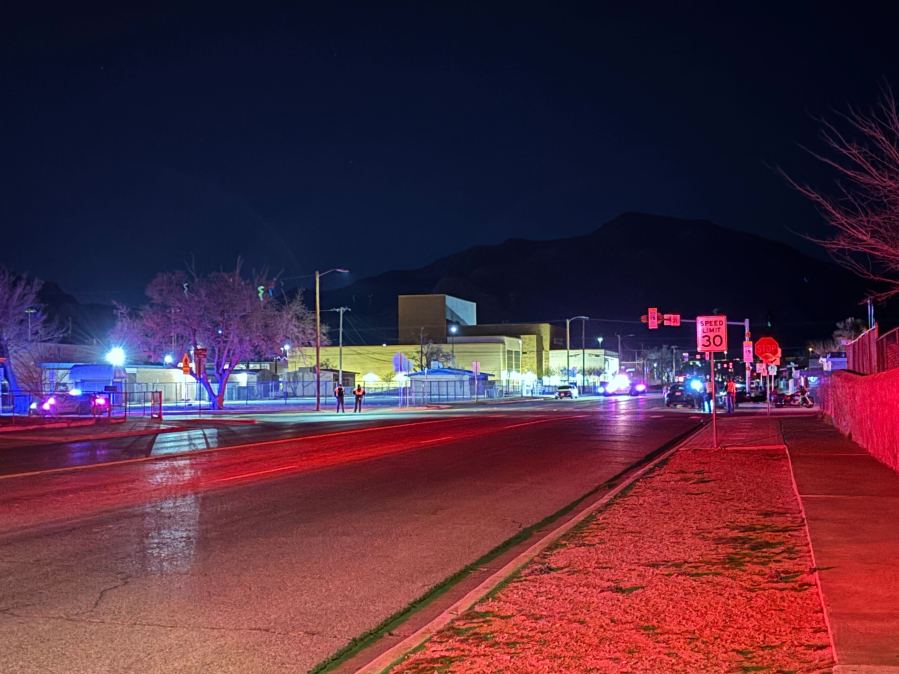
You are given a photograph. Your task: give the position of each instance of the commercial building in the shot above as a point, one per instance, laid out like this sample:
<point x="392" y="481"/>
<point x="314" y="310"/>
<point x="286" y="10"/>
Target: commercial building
<point x="438" y="330"/>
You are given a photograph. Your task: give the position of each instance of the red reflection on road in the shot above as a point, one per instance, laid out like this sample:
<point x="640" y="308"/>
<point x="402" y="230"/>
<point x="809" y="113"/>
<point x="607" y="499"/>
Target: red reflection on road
<point x="37" y="499"/>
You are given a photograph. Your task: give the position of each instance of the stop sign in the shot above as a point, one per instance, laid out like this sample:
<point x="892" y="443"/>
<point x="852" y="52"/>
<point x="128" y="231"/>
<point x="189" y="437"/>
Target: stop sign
<point x="767" y="349"/>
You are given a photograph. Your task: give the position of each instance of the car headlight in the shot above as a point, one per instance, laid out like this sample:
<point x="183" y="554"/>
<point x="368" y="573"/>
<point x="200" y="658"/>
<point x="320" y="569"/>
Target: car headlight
<point x="32" y="406"/>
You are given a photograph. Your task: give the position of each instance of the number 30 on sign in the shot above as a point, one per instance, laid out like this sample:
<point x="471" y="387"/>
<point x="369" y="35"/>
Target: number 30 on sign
<point x="711" y="333"/>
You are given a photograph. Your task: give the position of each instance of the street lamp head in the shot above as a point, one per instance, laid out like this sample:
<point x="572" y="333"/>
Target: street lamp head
<point x="454" y="329"/>
<point x="339" y="270"/>
<point x="116" y="356"/>
<point x="599" y="339"/>
<point x="286" y="347"/>
<point x="168" y="359"/>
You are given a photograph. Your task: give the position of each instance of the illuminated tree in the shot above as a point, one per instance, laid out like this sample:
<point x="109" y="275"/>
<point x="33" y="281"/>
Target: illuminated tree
<point x="23" y="325"/>
<point x="863" y="151"/>
<point x="233" y="317"/>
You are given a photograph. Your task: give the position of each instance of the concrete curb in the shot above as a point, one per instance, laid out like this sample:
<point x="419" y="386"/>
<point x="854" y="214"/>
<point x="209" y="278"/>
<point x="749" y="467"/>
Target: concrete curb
<point x="385" y="660"/>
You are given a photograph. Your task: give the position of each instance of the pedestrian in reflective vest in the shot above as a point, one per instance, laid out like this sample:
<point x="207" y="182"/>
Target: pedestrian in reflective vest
<point x="359" y="393"/>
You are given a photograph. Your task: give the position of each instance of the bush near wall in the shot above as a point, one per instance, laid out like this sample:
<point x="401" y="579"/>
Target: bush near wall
<point x="866" y="408"/>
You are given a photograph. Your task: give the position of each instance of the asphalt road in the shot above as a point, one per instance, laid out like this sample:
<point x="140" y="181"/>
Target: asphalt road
<point x="271" y="557"/>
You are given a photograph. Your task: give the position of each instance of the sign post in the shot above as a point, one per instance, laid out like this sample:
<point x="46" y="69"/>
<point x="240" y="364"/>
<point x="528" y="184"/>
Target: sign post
<point x="768" y="350"/>
<point x="711" y="336"/>
<point x="476" y="368"/>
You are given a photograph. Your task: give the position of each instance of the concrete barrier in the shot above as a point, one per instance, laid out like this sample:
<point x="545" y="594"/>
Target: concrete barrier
<point x="866" y="408"/>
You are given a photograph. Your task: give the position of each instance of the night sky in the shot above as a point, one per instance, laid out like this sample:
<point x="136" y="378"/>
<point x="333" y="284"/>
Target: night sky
<point x="379" y="138"/>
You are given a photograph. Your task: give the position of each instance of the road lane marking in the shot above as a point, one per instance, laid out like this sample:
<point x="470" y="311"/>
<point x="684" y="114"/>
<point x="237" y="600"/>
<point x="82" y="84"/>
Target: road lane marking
<point x="543" y="421"/>
<point x="416" y="444"/>
<point x="202" y="452"/>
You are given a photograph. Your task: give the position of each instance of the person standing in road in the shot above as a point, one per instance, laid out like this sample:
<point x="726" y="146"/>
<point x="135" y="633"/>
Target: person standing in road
<point x="731" y="396"/>
<point x="709" y="396"/>
<point x="338" y="393"/>
<point x="359" y="394"/>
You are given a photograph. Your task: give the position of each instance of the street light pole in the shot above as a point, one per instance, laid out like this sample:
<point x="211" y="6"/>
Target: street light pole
<point x="453" y="330"/>
<point x="28" y="312"/>
<point x="568" y="344"/>
<point x="318" y="336"/>
<point x="583" y="353"/>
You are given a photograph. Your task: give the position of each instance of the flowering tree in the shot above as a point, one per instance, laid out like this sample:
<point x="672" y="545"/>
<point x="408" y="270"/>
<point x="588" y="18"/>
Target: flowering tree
<point x="23" y="325"/>
<point x="864" y="207"/>
<point x="233" y="317"/>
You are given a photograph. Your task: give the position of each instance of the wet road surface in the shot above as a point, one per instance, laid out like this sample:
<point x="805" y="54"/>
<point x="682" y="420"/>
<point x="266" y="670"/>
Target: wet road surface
<point x="271" y="557"/>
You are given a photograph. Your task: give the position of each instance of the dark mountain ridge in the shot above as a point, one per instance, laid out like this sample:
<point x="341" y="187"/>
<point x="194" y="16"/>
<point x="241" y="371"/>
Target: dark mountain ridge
<point x="615" y="272"/>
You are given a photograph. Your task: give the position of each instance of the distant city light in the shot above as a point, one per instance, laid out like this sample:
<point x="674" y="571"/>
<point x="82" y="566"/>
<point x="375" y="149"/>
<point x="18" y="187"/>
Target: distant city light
<point x="116" y="356"/>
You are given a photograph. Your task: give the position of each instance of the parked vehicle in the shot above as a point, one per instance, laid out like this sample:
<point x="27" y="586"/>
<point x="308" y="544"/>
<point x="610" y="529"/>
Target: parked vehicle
<point x="566" y="391"/>
<point x="69" y="403"/>
<point x="793" y="400"/>
<point x="677" y="394"/>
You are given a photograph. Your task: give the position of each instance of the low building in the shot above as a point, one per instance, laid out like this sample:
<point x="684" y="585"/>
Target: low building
<point x="598" y="363"/>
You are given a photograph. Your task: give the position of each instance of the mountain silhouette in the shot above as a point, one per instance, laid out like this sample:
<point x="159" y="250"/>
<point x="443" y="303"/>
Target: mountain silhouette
<point x="634" y="261"/>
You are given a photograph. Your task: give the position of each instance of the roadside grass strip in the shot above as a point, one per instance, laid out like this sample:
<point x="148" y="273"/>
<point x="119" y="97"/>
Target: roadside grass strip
<point x="702" y="566"/>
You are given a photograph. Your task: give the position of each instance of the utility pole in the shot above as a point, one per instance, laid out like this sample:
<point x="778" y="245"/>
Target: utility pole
<point x="340" y="310"/>
<point x="421" y="347"/>
<point x="318" y="346"/>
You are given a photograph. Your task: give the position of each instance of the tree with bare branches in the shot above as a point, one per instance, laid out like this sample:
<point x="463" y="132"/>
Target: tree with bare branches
<point x="234" y="317"/>
<point x="862" y="148"/>
<point x="23" y="326"/>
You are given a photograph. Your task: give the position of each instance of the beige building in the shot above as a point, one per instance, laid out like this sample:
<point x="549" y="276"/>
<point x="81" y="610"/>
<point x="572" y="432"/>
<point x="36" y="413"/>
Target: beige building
<point x="439" y="330"/>
<point x="500" y="356"/>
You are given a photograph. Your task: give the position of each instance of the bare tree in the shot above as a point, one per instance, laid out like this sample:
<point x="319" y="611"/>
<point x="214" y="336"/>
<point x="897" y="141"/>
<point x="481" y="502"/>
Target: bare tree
<point x="228" y="314"/>
<point x="433" y="353"/>
<point x="23" y="325"/>
<point x="864" y="207"/>
<point x="846" y="330"/>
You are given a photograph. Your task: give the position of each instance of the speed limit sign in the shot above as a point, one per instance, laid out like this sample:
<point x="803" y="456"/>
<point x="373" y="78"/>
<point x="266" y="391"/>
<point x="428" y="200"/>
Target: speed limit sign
<point x="711" y="333"/>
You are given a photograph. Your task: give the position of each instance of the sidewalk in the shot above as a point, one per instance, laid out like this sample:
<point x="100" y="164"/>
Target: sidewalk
<point x="851" y="503"/>
<point x="705" y="566"/>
